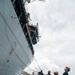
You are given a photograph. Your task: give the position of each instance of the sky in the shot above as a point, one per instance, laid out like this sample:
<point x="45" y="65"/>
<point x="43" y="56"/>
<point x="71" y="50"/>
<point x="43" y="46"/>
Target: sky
<point x="56" y="47"/>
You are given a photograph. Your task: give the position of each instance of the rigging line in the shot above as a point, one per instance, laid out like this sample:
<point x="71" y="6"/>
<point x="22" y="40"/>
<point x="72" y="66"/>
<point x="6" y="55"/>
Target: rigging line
<point x="37" y="63"/>
<point x="15" y="36"/>
<point x="34" y="65"/>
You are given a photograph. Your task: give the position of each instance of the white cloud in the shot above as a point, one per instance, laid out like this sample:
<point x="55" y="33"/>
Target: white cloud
<point x="56" y="19"/>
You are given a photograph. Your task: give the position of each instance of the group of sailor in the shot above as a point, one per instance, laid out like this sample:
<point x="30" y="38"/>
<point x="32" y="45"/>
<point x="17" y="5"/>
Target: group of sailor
<point x="67" y="69"/>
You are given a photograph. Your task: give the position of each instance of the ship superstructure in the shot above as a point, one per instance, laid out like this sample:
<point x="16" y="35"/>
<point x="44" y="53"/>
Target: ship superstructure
<point x="17" y="37"/>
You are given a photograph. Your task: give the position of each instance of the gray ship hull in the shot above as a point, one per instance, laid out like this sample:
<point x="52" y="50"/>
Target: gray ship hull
<point x="15" y="53"/>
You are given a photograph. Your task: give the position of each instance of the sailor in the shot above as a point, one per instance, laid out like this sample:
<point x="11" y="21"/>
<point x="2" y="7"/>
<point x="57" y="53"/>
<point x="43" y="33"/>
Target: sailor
<point x="49" y="72"/>
<point x="28" y="17"/>
<point x="40" y="73"/>
<point x="67" y="69"/>
<point x="56" y="73"/>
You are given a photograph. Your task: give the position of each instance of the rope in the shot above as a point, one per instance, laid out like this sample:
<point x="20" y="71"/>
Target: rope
<point x="37" y="63"/>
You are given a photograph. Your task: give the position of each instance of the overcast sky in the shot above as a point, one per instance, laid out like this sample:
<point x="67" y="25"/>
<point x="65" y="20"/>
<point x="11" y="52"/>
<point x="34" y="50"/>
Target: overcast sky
<point x="56" y="47"/>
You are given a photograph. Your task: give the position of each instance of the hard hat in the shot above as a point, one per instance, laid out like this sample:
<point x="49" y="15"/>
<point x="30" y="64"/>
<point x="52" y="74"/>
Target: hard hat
<point x="68" y="68"/>
<point x="56" y="72"/>
<point x="49" y="71"/>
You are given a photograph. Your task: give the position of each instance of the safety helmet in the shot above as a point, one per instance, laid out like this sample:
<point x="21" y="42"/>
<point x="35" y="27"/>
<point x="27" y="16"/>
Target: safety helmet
<point x="68" y="68"/>
<point x="49" y="71"/>
<point x="56" y="72"/>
